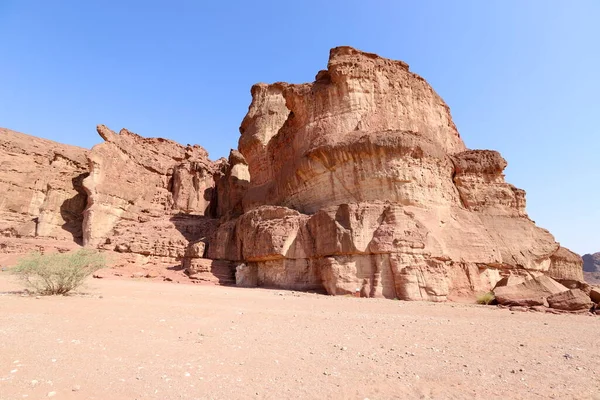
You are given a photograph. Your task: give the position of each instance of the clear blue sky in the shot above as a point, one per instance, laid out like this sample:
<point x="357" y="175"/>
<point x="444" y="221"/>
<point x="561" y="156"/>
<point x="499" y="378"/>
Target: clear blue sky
<point x="521" y="77"/>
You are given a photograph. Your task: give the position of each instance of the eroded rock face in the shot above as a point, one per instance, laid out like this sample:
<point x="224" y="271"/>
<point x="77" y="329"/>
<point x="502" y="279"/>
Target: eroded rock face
<point x="41" y="187"/>
<point x="562" y="265"/>
<point x="135" y="179"/>
<point x="150" y="197"/>
<point x="360" y="181"/>
<point x="571" y="300"/>
<point x="366" y="129"/>
<point x="532" y="292"/>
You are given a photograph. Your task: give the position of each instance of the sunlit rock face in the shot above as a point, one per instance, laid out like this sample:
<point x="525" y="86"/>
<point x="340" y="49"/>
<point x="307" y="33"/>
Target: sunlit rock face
<point x="360" y="181"/>
<point x="151" y="198"/>
<point x="355" y="183"/>
<point x="41" y="191"/>
<point x="366" y="129"/>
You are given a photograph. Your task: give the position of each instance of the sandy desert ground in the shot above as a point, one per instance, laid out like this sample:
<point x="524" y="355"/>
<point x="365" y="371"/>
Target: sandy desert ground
<point x="134" y="339"/>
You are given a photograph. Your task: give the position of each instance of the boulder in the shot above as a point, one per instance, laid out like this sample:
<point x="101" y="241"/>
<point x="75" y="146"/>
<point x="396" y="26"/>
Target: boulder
<point x="532" y="292"/>
<point x="562" y="265"/>
<point x="570" y="300"/>
<point x="595" y="295"/>
<point x="575" y="284"/>
<point x="211" y="271"/>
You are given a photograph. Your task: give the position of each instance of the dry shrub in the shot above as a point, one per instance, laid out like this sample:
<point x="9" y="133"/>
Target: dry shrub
<point x="486" y="298"/>
<point x="58" y="273"/>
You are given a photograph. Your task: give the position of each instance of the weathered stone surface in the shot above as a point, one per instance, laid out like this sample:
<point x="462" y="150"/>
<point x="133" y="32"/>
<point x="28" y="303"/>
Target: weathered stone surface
<point x="571" y="300"/>
<point x="135" y="179"/>
<point x="574" y="284"/>
<point x="357" y="181"/>
<point x="562" y="265"/>
<point x="510" y="280"/>
<point x="532" y="292"/>
<point x="366" y="127"/>
<point x="213" y="271"/>
<point x="380" y="192"/>
<point x="40" y="182"/>
<point x="382" y="249"/>
<point x="480" y="182"/>
<point x="232" y="186"/>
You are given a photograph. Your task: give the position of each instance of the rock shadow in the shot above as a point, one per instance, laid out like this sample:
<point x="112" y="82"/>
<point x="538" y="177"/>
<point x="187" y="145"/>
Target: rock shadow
<point x="194" y="227"/>
<point x="71" y="210"/>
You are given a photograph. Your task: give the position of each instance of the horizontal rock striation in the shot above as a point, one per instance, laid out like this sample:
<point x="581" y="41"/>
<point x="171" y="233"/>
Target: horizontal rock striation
<point x="360" y="181"/>
<point x="356" y="182"/>
<point x="41" y="187"/>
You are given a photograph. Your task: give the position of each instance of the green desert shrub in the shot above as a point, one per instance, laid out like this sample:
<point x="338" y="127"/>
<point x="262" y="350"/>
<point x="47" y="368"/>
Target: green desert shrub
<point x="58" y="273"/>
<point x="486" y="298"/>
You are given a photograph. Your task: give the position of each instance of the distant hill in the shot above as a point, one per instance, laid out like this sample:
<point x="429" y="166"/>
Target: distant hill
<point x="591" y="268"/>
<point x="591" y="262"/>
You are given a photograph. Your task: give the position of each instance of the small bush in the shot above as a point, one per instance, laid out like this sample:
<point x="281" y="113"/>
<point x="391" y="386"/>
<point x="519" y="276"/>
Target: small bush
<point x="58" y="273"/>
<point x="486" y="298"/>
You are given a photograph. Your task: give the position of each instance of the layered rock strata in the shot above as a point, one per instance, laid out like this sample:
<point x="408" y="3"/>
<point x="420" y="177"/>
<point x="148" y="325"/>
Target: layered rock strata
<point x="151" y="197"/>
<point x="143" y="200"/>
<point x="360" y="181"/>
<point x="41" y="191"/>
<point x="356" y="182"/>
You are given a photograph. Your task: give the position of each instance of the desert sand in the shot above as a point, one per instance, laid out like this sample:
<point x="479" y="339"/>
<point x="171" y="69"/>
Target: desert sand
<point x="137" y="339"/>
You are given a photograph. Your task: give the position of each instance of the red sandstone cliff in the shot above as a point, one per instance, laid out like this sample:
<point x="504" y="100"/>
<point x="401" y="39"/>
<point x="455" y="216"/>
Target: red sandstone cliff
<point x="359" y="180"/>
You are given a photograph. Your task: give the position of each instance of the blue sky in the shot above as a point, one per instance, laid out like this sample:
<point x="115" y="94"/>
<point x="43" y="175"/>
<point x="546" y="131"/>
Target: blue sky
<point x="520" y="76"/>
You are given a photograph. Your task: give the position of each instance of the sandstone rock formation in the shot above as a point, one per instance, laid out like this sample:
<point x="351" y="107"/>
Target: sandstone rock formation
<point x="595" y="295"/>
<point x="532" y="292"/>
<point x="358" y="181"/>
<point x="571" y="300"/>
<point x="151" y="198"/>
<point x="41" y="187"/>
<point x="143" y="200"/>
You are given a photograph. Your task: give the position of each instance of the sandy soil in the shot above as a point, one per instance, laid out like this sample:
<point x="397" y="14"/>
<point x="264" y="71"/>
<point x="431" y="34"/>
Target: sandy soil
<point x="128" y="339"/>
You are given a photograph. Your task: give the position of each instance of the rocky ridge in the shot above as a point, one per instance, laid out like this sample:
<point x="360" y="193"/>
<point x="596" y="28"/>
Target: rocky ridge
<point x="591" y="262"/>
<point x="591" y="268"/>
<point x="356" y="183"/>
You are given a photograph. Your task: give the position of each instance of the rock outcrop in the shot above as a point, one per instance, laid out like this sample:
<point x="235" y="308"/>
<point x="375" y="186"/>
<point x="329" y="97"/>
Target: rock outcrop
<point x="531" y="292"/>
<point x="152" y="198"/>
<point x="591" y="262"/>
<point x="366" y="129"/>
<point x="144" y="200"/>
<point x="591" y="268"/>
<point x="571" y="300"/>
<point x="358" y="181"/>
<point x="41" y="187"/>
<point x="562" y="265"/>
